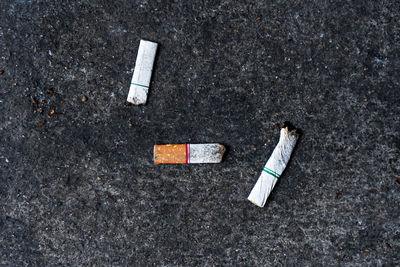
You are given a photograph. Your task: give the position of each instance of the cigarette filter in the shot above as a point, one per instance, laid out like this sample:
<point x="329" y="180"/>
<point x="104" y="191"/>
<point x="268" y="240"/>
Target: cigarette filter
<point x="188" y="153"/>
<point x="275" y="166"/>
<point x="141" y="76"/>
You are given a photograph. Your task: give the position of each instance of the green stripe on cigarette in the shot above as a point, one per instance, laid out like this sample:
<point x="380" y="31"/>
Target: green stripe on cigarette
<point x="271" y="172"/>
<point x="140" y="85"/>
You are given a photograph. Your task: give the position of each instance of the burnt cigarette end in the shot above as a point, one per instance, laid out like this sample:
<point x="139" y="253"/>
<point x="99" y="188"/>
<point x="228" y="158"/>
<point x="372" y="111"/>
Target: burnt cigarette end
<point x="291" y="129"/>
<point x="287" y="124"/>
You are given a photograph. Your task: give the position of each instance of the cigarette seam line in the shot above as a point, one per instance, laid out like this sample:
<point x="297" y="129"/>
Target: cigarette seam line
<point x="140" y="85"/>
<point x="271" y="173"/>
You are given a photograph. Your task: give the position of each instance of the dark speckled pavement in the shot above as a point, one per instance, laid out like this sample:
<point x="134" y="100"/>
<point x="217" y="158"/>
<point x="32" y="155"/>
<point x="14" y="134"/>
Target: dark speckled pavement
<point x="78" y="185"/>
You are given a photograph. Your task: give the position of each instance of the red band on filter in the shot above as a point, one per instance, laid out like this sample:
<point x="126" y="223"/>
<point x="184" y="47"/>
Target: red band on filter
<point x="187" y="153"/>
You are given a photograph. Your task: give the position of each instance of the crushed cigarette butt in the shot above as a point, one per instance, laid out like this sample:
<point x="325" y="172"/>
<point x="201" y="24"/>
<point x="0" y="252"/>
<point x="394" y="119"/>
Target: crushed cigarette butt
<point x="275" y="165"/>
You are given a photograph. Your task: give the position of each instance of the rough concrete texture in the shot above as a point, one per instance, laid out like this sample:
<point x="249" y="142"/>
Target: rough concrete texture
<point x="78" y="185"/>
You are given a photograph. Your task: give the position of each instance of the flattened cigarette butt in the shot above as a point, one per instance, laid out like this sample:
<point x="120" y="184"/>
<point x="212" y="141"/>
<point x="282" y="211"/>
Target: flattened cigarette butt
<point x="142" y="74"/>
<point x="275" y="165"/>
<point x="188" y="153"/>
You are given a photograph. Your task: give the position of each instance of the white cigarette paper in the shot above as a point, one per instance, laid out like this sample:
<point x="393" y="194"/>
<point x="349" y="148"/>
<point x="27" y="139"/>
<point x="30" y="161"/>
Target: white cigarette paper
<point x="205" y="153"/>
<point x="274" y="167"/>
<point x="141" y="76"/>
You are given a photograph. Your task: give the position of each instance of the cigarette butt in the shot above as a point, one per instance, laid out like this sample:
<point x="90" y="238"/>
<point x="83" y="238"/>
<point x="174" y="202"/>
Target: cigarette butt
<point x="142" y="74"/>
<point x="188" y="153"/>
<point x="274" y="167"/>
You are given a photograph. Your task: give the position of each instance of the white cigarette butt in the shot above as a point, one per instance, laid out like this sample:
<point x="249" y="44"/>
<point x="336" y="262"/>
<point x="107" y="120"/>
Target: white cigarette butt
<point x="142" y="74"/>
<point x="274" y="167"/>
<point x="188" y="153"/>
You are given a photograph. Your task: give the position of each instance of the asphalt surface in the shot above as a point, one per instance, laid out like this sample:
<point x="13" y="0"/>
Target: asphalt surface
<point x="78" y="185"/>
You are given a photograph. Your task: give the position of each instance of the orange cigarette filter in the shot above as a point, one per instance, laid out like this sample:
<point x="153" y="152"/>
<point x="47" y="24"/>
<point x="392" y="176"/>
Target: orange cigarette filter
<point x="173" y="153"/>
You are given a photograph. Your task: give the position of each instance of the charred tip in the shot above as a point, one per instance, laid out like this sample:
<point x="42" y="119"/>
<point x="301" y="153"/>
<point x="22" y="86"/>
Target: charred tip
<point x="287" y="124"/>
<point x="291" y="129"/>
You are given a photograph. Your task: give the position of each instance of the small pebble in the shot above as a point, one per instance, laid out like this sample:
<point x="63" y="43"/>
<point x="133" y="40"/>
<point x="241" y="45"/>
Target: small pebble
<point x="40" y="123"/>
